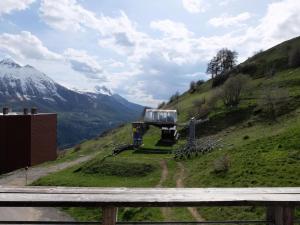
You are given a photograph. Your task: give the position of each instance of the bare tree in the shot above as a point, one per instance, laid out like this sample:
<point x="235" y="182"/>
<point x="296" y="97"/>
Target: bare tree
<point x="232" y="89"/>
<point x="223" y="62"/>
<point x="271" y="101"/>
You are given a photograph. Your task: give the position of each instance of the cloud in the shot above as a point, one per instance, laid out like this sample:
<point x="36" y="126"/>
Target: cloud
<point x="171" y="28"/>
<point x="8" y="6"/>
<point x="227" y="21"/>
<point x="195" y="6"/>
<point x="82" y="62"/>
<point x="225" y="2"/>
<point x="26" y="45"/>
<point x="161" y="65"/>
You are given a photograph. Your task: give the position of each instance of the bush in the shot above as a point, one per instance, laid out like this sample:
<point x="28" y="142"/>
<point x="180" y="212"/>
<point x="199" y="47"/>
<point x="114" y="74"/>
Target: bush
<point x="77" y="148"/>
<point x="271" y="102"/>
<point x="220" y="79"/>
<point x="213" y="98"/>
<point x="174" y="98"/>
<point x="232" y="89"/>
<point x="161" y="105"/>
<point x="200" y="82"/>
<point x="199" y="102"/>
<point x="222" y="164"/>
<point x="250" y="69"/>
<point x="294" y="58"/>
<point x="193" y="87"/>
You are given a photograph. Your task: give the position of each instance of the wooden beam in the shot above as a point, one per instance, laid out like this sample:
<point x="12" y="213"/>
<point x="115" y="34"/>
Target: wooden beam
<point x="109" y="215"/>
<point x="281" y="215"/>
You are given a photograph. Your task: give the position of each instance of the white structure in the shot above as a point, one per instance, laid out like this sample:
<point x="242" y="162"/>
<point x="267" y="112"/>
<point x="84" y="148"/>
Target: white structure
<point x="160" y="116"/>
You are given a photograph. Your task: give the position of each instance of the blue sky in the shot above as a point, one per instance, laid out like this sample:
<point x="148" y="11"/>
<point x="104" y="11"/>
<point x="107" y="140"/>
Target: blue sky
<point x="144" y="50"/>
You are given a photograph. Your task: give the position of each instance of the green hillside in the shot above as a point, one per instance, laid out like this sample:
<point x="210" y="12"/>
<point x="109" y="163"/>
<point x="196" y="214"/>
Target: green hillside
<point x="256" y="149"/>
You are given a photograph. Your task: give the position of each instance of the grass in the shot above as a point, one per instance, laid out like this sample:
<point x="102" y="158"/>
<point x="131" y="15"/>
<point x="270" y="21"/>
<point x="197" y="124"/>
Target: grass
<point x="260" y="153"/>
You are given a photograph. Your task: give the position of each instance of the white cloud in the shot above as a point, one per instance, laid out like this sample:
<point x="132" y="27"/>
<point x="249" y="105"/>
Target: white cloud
<point x="82" y="62"/>
<point x="226" y="20"/>
<point x="26" y="45"/>
<point x="195" y="6"/>
<point x="171" y="28"/>
<point x="7" y="6"/>
<point x="118" y="33"/>
<point x="161" y="66"/>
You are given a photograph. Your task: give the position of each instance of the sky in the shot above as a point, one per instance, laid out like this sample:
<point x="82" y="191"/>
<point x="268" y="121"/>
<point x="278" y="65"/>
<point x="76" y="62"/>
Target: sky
<point x="144" y="50"/>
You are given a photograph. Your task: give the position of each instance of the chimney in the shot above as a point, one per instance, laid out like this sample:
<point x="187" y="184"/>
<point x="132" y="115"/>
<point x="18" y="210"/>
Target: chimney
<point x="33" y="111"/>
<point x="5" y="110"/>
<point x="25" y="111"/>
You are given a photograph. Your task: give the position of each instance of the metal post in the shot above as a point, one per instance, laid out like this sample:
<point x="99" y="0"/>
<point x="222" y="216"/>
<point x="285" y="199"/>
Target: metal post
<point x="192" y="132"/>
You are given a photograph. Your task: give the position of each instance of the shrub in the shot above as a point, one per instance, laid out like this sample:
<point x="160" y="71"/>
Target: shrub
<point x="294" y="58"/>
<point x="271" y="102"/>
<point x="220" y="79"/>
<point x="221" y="164"/>
<point x="232" y="89"/>
<point x="174" y="98"/>
<point x="161" y="105"/>
<point x="199" y="102"/>
<point x="200" y="82"/>
<point x="213" y="98"/>
<point x="77" y="148"/>
<point x="193" y="87"/>
<point x="246" y="137"/>
<point x="250" y="69"/>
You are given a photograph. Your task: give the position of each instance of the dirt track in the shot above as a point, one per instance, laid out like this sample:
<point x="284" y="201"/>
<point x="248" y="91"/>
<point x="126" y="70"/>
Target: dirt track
<point x="179" y="183"/>
<point x="17" y="178"/>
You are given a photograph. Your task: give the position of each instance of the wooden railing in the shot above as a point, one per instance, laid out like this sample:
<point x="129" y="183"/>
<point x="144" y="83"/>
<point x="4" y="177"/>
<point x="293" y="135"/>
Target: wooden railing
<point x="280" y="203"/>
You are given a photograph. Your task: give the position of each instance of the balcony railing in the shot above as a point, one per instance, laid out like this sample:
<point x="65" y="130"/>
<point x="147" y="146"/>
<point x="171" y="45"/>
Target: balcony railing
<point x="280" y="203"/>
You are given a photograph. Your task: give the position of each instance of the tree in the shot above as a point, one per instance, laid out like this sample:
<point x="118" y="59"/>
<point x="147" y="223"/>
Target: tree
<point x="175" y="97"/>
<point x="232" y="89"/>
<point x="271" y="101"/>
<point x="161" y="105"/>
<point x="193" y="87"/>
<point x="224" y="61"/>
<point x="294" y="58"/>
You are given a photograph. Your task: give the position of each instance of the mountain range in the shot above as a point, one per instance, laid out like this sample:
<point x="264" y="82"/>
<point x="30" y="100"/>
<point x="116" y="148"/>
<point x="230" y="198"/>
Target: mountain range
<point x="81" y="115"/>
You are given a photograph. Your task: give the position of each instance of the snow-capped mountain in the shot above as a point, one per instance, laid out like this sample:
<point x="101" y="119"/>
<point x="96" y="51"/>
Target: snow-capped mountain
<point x="24" y="83"/>
<point x="81" y="114"/>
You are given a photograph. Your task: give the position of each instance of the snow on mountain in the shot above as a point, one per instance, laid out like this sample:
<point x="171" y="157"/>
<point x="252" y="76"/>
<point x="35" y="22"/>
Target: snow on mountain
<point x="102" y="90"/>
<point x="25" y="82"/>
<point x="82" y="114"/>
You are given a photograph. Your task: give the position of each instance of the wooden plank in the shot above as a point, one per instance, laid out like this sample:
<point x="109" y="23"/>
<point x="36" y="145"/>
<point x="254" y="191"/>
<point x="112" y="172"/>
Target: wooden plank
<point x="159" y="199"/>
<point x="281" y="215"/>
<point x="109" y="215"/>
<point x="5" y="189"/>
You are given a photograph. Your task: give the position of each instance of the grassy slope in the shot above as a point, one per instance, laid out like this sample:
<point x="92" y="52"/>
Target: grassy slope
<point x="269" y="156"/>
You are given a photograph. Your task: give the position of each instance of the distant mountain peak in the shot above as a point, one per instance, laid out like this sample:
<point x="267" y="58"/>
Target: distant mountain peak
<point x="102" y="90"/>
<point x="9" y="62"/>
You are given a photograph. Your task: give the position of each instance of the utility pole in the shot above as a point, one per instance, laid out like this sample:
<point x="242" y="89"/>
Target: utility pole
<point x="192" y="131"/>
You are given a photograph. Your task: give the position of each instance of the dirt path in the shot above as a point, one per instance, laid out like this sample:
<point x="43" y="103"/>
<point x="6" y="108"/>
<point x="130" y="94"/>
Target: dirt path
<point x="17" y="178"/>
<point x="166" y="212"/>
<point x="180" y="184"/>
